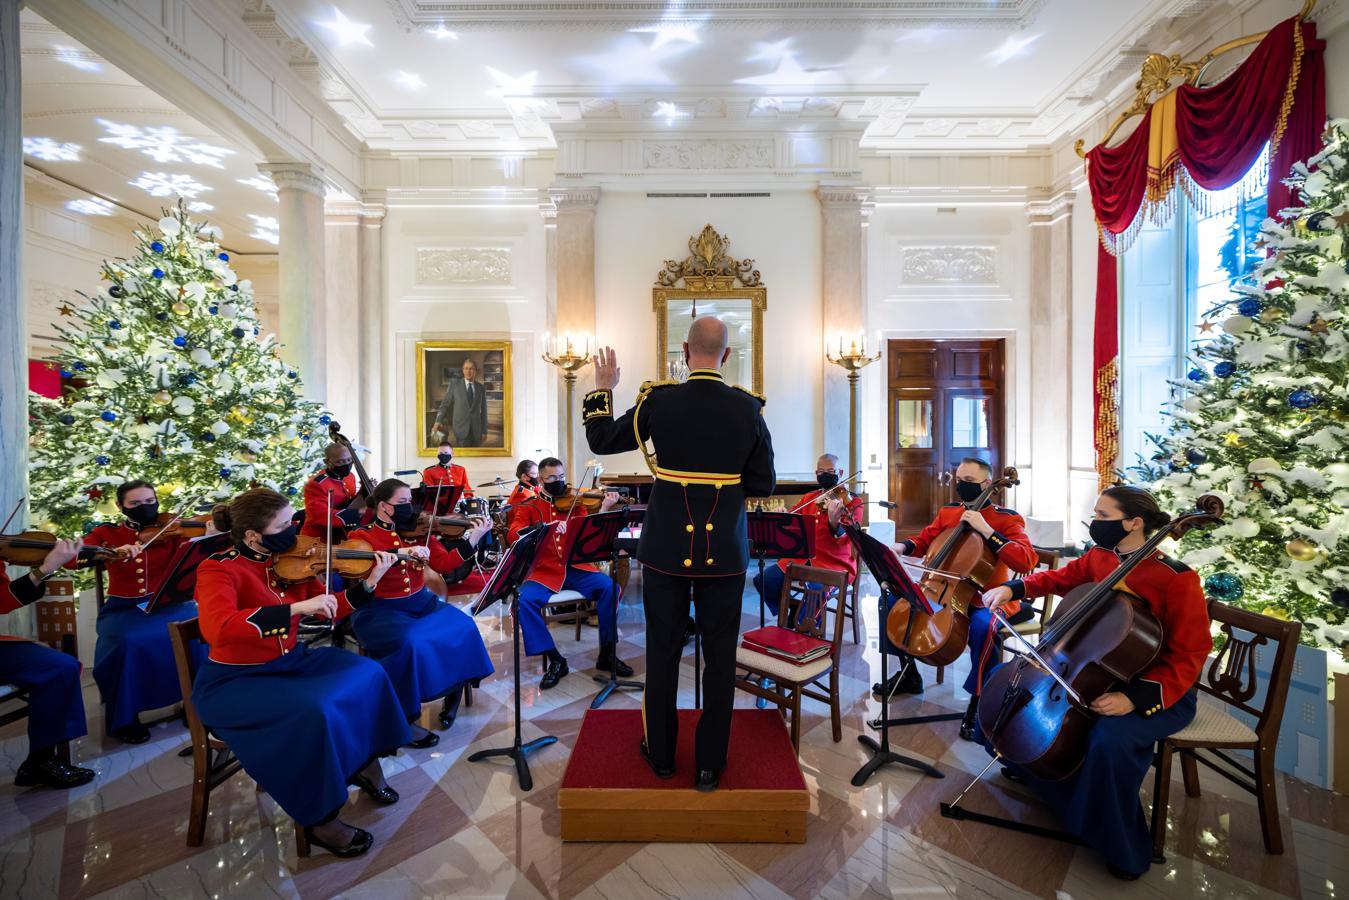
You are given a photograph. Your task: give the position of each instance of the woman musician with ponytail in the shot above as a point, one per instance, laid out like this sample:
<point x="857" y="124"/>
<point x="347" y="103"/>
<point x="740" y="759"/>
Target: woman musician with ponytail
<point x="1099" y="801"/>
<point x="304" y="723"/>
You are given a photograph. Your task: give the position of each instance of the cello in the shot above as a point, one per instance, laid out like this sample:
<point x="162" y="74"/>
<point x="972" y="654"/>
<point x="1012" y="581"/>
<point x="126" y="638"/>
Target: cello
<point x="364" y="481"/>
<point x="958" y="567"/>
<point x="1035" y="710"/>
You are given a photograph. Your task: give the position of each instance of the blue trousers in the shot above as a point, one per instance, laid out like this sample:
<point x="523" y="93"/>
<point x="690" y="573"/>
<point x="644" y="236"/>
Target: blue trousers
<point x="594" y="586"/>
<point x="1099" y="802"/>
<point x="52" y="679"/>
<point x="770" y="587"/>
<point x="133" y="658"/>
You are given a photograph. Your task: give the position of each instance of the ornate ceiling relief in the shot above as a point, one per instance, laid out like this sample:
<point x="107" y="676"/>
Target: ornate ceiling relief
<point x="949" y="265"/>
<point x="708" y="154"/>
<point x="464" y="265"/>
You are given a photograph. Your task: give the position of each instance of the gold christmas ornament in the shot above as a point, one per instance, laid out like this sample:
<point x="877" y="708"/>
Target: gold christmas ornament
<point x="181" y="308"/>
<point x="1272" y="314"/>
<point x="1232" y="439"/>
<point x="163" y="398"/>
<point x="1300" y="550"/>
<point x="1274" y="613"/>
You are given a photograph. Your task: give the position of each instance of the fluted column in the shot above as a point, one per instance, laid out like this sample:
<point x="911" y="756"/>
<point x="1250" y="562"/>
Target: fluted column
<point x="341" y="310"/>
<point x="370" y="245"/>
<point x="575" y="264"/>
<point x="1051" y="300"/>
<point x="300" y="272"/>
<point x="843" y="210"/>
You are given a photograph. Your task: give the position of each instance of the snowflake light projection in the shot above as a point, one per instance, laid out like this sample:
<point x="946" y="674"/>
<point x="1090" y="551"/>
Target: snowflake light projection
<point x="200" y="206"/>
<point x="45" y="148"/>
<point x="93" y="206"/>
<point x="165" y="184"/>
<point x="262" y="183"/>
<point x="265" y="228"/>
<point x="163" y="144"/>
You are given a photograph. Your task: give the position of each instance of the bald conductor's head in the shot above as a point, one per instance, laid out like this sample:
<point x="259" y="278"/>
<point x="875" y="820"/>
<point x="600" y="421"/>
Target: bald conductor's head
<point x="707" y="343"/>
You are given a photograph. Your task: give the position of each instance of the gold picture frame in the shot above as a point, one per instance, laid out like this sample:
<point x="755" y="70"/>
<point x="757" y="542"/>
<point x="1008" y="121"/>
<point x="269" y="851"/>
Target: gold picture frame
<point x="711" y="279"/>
<point x="487" y="427"/>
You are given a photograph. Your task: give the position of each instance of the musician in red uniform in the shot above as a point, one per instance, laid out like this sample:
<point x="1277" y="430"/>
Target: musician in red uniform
<point x="833" y="549"/>
<point x="1099" y="802"/>
<point x="52" y="679"/>
<point x="335" y="479"/>
<point x="450" y="477"/>
<point x="304" y="722"/>
<point x="133" y="659"/>
<point x="551" y="574"/>
<point x="527" y="483"/>
<point x="429" y="649"/>
<point x="1004" y="531"/>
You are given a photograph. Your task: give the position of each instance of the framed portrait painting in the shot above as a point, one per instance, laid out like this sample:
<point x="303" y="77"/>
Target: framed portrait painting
<point x="464" y="396"/>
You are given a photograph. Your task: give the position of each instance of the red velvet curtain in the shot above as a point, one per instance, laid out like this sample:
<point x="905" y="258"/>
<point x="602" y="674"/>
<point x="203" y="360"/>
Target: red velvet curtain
<point x="1276" y="96"/>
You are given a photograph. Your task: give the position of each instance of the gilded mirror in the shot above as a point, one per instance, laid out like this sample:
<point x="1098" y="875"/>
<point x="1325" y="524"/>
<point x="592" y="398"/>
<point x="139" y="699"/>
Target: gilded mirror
<point x="711" y="282"/>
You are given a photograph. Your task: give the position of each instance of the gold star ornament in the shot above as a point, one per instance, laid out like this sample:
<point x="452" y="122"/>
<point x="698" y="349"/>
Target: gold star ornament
<point x="1232" y="439"/>
<point x="65" y="309"/>
<point x="1206" y="326"/>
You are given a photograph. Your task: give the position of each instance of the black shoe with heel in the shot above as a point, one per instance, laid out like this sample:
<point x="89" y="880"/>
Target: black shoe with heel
<point x="384" y="796"/>
<point x="449" y="709"/>
<point x="360" y="842"/>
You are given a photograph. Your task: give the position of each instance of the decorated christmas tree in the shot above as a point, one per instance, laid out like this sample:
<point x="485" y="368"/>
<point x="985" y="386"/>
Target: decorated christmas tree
<point x="1263" y="419"/>
<point x="174" y="385"/>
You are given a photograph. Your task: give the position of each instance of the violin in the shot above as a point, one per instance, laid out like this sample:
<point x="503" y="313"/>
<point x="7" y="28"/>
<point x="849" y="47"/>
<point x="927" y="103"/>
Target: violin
<point x="168" y="525"/>
<point x="31" y="547"/>
<point x="309" y="559"/>
<point x="590" y="501"/>
<point x="366" y="484"/>
<point x="1036" y="710"/>
<point x="960" y="566"/>
<point x="452" y="527"/>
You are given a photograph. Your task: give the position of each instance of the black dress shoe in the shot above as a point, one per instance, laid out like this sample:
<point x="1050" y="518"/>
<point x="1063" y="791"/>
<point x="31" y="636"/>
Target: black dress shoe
<point x="907" y="682"/>
<point x="967" y="724"/>
<point x="385" y="795"/>
<point x="135" y="733"/>
<point x="360" y="842"/>
<point x="449" y="709"/>
<point x="613" y="664"/>
<point x="430" y="739"/>
<point x="52" y="773"/>
<point x="557" y="670"/>
<point x="661" y="771"/>
<point x="1121" y="874"/>
<point x="707" y="780"/>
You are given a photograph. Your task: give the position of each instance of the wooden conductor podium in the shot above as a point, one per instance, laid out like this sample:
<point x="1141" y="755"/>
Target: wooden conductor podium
<point x="610" y="794"/>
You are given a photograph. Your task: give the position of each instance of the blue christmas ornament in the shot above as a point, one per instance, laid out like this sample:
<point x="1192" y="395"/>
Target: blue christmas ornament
<point x="238" y="332"/>
<point x="67" y="419"/>
<point x="256" y="331"/>
<point x="114" y="325"/>
<point x="1250" y="307"/>
<point x="304" y="435"/>
<point x="1196" y="457"/>
<point x="234" y="287"/>
<point x="180" y="341"/>
<point x="80" y="367"/>
<point x="213" y="309"/>
<point x="158" y="273"/>
<point x="1196" y="375"/>
<point x="225" y="472"/>
<point x="162" y="316"/>
<point x="1224" y="586"/>
<point x="292" y="374"/>
<point x="223" y="257"/>
<point x="66" y="373"/>
<point x="1224" y="368"/>
<point x="208" y="437"/>
<point x="187" y="378"/>
<point x="157" y="247"/>
<point x="1303" y="399"/>
<point x="102" y="460"/>
<point x="108" y="416"/>
<point x="290" y="491"/>
<point x="325" y="419"/>
<point x="116" y="291"/>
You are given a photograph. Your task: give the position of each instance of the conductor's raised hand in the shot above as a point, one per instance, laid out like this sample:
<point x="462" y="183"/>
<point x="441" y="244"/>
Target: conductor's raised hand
<point x="606" y="369"/>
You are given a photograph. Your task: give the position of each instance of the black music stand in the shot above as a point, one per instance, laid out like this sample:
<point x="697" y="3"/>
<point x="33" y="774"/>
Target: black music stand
<point x="883" y="565"/>
<point x="778" y="535"/>
<point x="596" y="541"/>
<point x="504" y="585"/>
<point x="181" y="582"/>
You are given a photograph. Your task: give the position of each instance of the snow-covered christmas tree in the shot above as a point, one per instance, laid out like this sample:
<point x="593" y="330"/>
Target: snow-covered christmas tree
<point x="178" y="389"/>
<point x="1263" y="419"/>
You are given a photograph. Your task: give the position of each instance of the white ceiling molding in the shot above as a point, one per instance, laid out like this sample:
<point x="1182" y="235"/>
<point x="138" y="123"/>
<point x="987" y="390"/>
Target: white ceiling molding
<point x="466" y="15"/>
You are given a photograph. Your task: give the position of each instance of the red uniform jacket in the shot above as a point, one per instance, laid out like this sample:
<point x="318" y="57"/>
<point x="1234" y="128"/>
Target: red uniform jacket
<point x="404" y="578"/>
<point x="549" y="568"/>
<point x="14" y="594"/>
<point x="453" y="480"/>
<point x="1172" y="593"/>
<point x="832" y="551"/>
<point x="245" y="611"/>
<point x="133" y="577"/>
<point x="521" y="493"/>
<point x="317" y="511"/>
<point x="1009" y="542"/>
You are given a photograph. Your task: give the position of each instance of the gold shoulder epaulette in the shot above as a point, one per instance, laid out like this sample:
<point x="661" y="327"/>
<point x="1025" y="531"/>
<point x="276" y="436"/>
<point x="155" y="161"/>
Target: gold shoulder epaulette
<point x="757" y="396"/>
<point x="649" y="386"/>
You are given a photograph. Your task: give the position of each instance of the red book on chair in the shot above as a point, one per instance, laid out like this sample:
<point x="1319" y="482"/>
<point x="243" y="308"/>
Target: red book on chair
<point x="783" y="643"/>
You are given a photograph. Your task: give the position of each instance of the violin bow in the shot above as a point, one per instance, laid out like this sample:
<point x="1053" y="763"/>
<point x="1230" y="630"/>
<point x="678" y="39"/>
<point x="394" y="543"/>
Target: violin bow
<point x="328" y="556"/>
<point x="12" y="513"/>
<point x="435" y="511"/>
<point x="802" y="505"/>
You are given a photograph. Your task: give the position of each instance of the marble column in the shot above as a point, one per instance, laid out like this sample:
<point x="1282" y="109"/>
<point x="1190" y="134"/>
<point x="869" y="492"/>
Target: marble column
<point x="1051" y="299"/>
<point x="342" y="282"/>
<point x="14" y="334"/>
<point x="300" y="272"/>
<point x="843" y="211"/>
<point x="370" y="247"/>
<point x="575" y="263"/>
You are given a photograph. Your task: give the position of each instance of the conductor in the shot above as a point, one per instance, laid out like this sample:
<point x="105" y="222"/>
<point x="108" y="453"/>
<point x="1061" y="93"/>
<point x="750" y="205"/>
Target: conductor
<point x="714" y="449"/>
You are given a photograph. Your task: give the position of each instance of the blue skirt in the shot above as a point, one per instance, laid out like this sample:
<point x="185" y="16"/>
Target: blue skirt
<point x="425" y="645"/>
<point x="303" y="724"/>
<point x="133" y="658"/>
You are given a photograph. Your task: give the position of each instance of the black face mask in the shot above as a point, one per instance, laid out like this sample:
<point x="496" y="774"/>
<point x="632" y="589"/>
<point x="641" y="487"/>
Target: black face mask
<point x="280" y="542"/>
<point x="968" y="491"/>
<point x="341" y="471"/>
<point x="444" y="457"/>
<point x="404" y="514"/>
<point x="555" y="488"/>
<point x="532" y="482"/>
<point x="142" y="515"/>
<point x="1107" y="533"/>
<point x="826" y="479"/>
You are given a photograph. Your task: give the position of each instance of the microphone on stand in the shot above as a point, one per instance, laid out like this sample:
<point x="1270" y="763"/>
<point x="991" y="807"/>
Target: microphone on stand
<point x="885" y="504"/>
<point x="406" y="472"/>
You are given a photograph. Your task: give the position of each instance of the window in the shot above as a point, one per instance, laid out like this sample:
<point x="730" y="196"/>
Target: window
<point x="1175" y="277"/>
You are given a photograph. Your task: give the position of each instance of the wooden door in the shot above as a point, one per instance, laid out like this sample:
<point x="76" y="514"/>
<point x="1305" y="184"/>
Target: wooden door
<point x="946" y="402"/>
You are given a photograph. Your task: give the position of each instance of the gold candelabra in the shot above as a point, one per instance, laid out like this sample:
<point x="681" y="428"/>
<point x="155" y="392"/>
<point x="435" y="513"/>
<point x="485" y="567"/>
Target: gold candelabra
<point x="854" y="359"/>
<point x="563" y="352"/>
